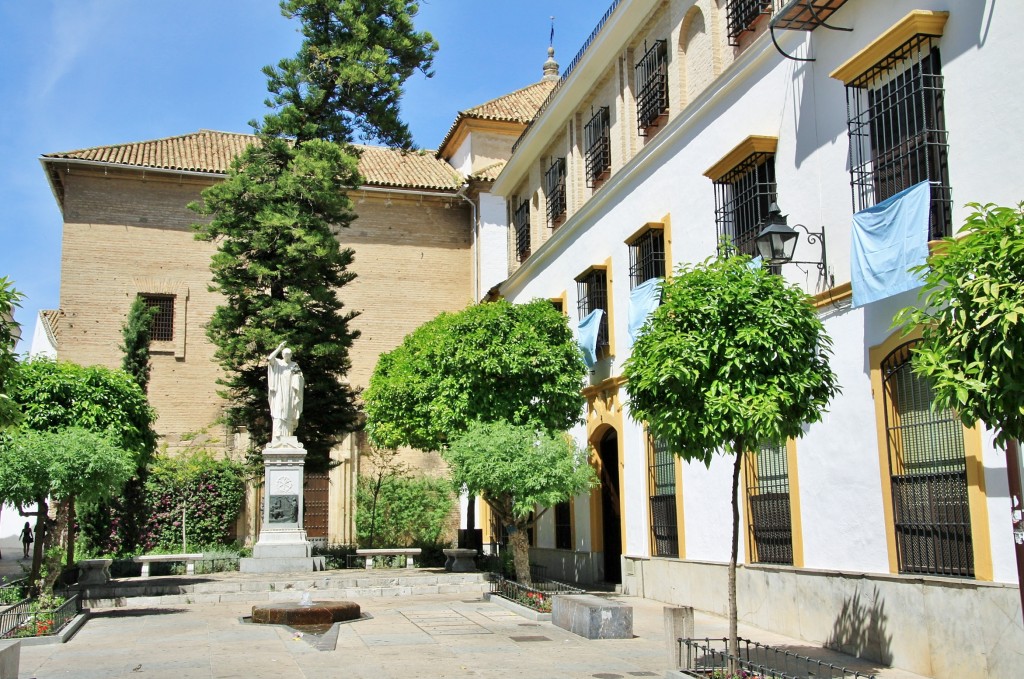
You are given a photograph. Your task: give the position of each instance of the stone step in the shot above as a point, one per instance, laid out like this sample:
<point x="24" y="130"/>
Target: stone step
<point x="235" y="587"/>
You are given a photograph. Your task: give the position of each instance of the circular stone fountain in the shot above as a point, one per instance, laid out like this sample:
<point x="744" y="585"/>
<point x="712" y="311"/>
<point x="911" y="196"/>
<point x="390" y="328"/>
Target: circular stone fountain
<point x="312" y="613"/>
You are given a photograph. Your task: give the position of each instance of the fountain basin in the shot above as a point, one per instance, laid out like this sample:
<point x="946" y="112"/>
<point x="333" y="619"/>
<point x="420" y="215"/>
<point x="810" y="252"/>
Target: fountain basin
<point x="317" y="613"/>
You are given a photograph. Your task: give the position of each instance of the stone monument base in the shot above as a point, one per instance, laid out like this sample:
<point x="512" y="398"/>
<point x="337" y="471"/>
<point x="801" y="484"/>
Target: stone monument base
<point x="281" y="564"/>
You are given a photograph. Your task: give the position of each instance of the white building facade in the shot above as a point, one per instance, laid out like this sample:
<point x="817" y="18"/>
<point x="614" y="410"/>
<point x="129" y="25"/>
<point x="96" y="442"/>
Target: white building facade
<point x="885" y="530"/>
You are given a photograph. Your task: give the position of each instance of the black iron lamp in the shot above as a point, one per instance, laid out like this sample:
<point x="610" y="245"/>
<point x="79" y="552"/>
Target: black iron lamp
<point x="777" y="241"/>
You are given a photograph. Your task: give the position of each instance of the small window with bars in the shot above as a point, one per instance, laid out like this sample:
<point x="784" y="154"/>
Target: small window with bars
<point x="554" y="185"/>
<point x="162" y="328"/>
<point x="770" y="520"/>
<point x="741" y="15"/>
<point x="557" y="303"/>
<point x="563" y="526"/>
<point x="652" y="86"/>
<point x="592" y="293"/>
<point x="521" y="219"/>
<point x="742" y="198"/>
<point x="898" y="132"/>
<point x="646" y="257"/>
<point x="597" y="140"/>
<point x="662" y="484"/>
<point x="928" y="474"/>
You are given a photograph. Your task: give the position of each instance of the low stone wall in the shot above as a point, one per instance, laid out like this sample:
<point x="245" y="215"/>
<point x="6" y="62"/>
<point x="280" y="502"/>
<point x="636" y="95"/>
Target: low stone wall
<point x="940" y="627"/>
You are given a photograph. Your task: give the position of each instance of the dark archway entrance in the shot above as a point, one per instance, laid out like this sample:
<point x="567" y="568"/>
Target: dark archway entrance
<point x="611" y="520"/>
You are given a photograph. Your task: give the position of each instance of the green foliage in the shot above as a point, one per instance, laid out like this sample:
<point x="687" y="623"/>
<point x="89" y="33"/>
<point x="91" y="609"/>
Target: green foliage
<point x="61" y="464"/>
<point x="55" y="395"/>
<point x="279" y="265"/>
<point x="488" y="362"/>
<point x="410" y="511"/>
<point x="733" y="356"/>
<point x="137" y="333"/>
<point x="210" y="491"/>
<point x="9" y="300"/>
<point x="971" y="312"/>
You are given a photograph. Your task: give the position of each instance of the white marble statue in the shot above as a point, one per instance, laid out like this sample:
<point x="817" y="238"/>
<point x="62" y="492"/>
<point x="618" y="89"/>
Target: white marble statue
<point x="284" y="386"/>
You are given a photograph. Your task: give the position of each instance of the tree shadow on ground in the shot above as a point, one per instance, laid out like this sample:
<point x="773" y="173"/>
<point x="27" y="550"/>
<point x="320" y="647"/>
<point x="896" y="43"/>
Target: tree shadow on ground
<point x="134" y="612"/>
<point x="860" y="629"/>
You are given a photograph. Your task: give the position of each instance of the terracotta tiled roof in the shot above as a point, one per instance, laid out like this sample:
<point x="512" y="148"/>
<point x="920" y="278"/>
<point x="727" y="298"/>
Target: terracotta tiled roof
<point x="516" y="107"/>
<point x="489" y="173"/>
<point x="51" y="323"/>
<point x="207" y="151"/>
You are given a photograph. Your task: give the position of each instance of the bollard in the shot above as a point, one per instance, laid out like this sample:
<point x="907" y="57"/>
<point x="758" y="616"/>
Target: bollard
<point x="678" y="625"/>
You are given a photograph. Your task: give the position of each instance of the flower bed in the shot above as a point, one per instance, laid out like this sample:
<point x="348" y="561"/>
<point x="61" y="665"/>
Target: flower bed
<point x="40" y="617"/>
<point x="536" y="597"/>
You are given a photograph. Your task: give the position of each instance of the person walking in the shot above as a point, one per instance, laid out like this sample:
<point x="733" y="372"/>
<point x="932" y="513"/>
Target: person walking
<point x="26" y="539"/>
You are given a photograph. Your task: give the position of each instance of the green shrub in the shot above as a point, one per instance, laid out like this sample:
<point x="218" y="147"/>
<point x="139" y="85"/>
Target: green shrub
<point x="410" y="511"/>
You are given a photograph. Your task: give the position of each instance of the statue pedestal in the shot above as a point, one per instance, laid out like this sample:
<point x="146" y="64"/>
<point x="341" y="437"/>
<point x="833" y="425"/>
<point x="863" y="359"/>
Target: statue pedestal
<point x="282" y="546"/>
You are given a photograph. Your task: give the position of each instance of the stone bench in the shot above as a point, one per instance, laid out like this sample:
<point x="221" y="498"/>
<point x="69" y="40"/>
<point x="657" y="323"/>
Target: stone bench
<point x="592" y="617"/>
<point x="94" y="571"/>
<point x="189" y="559"/>
<point x="460" y="560"/>
<point x="408" y="552"/>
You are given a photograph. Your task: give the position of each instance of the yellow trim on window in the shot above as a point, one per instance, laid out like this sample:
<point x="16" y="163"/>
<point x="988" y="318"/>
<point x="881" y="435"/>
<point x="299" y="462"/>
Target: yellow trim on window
<point x="918" y="22"/>
<point x="649" y="226"/>
<point x="746" y="148"/>
<point x="666" y="229"/>
<point x="796" y="524"/>
<point x="680" y="515"/>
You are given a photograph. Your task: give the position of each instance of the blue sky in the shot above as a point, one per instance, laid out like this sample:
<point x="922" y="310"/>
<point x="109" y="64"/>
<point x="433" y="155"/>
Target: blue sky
<point x="80" y="73"/>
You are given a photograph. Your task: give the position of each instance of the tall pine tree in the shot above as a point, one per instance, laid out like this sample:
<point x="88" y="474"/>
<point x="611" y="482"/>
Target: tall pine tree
<point x="275" y="219"/>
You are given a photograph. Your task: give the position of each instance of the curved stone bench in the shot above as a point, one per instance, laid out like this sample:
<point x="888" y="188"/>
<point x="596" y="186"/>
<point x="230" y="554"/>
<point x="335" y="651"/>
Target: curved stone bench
<point x="460" y="560"/>
<point x="189" y="559"/>
<point x="408" y="552"/>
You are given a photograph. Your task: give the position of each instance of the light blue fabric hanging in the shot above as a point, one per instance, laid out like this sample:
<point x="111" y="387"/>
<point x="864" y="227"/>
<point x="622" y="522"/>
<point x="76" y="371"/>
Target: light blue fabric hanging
<point x="643" y="300"/>
<point x="755" y="263"/>
<point x="887" y="240"/>
<point x="588" y="329"/>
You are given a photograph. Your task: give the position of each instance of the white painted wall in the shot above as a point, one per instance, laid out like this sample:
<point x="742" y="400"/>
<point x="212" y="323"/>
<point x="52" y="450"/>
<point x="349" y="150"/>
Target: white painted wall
<point x="493" y="242"/>
<point x="462" y="159"/>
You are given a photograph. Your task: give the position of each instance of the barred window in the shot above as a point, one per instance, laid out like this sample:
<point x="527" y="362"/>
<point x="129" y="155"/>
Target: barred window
<point x="563" y="526"/>
<point x="652" y="85"/>
<point x="592" y="292"/>
<point x="597" y="140"/>
<point x="741" y="15"/>
<point x="742" y="198"/>
<point x="662" y="483"/>
<point x="521" y="219"/>
<point x="898" y="132"/>
<point x="554" y="184"/>
<point x="928" y="473"/>
<point x="647" y="257"/>
<point x="162" y="328"/>
<point x="770" y="537"/>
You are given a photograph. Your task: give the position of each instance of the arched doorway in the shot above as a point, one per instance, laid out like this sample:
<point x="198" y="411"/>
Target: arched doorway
<point x="611" y="513"/>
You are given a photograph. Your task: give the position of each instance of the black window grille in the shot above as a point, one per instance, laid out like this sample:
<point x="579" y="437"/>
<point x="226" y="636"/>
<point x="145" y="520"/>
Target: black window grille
<point x="652" y="85"/>
<point x="741" y="15"/>
<point x="742" y="198"/>
<point x="563" y="526"/>
<point x="898" y="132"/>
<point x="592" y="292"/>
<point x="647" y="257"/>
<point x="664" y="524"/>
<point x="771" y="523"/>
<point x="597" y="139"/>
<point x="521" y="219"/>
<point x="928" y="470"/>
<point x="162" y="328"/>
<point x="554" y="183"/>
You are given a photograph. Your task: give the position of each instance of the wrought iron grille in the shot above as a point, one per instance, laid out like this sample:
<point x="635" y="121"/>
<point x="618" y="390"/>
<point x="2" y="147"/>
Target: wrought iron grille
<point x="521" y="219"/>
<point x="592" y="293"/>
<point x="664" y="524"/>
<point x="596" y="137"/>
<point x="563" y="526"/>
<point x="554" y="184"/>
<point x="742" y="198"/>
<point x="770" y="538"/>
<point x="741" y="15"/>
<point x="652" y="85"/>
<point x="928" y="470"/>
<point x="898" y="132"/>
<point x="647" y="257"/>
<point x="162" y="328"/>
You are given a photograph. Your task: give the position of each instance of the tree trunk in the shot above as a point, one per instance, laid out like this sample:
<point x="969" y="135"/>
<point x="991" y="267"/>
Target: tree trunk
<point x="733" y="622"/>
<point x="71" y="531"/>
<point x="54" y="557"/>
<point x="521" y="555"/>
<point x="41" y="534"/>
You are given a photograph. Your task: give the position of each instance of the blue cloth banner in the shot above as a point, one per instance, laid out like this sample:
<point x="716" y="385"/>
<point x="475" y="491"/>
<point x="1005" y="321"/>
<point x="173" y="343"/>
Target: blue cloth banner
<point x="588" y="328"/>
<point x="643" y="300"/>
<point x="887" y="240"/>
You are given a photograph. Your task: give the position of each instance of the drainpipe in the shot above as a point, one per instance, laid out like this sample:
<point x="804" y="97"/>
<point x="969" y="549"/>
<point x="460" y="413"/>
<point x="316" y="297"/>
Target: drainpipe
<point x="473" y="227"/>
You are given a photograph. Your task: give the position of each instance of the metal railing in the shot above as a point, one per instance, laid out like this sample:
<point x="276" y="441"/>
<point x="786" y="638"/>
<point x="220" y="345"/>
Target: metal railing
<point x="704" y="657"/>
<point x="568" y="70"/>
<point x="25" y="619"/>
<point x="536" y="596"/>
<point x="14" y="591"/>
